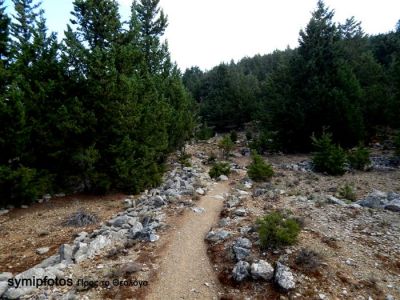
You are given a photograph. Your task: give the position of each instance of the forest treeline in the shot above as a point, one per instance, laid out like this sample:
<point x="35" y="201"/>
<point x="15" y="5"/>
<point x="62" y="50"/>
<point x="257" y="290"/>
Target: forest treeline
<point x="98" y="111"/>
<point x="339" y="80"/>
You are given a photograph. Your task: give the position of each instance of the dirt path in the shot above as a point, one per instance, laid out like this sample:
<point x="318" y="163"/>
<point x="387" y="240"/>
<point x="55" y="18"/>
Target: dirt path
<point x="186" y="272"/>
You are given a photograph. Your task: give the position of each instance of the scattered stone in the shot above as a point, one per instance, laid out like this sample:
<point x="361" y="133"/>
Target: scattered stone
<point x="334" y="200"/>
<point x="158" y="201"/>
<point x="223" y="178"/>
<point x="42" y="250"/>
<point x="198" y="210"/>
<point x="240" y="253"/>
<point x="80" y="252"/>
<point x="241" y="212"/>
<point x="376" y="199"/>
<point x="262" y="270"/>
<point x="99" y="243"/>
<point x="393" y="205"/>
<point x="24" y="206"/>
<point x="224" y="222"/>
<point x="200" y="191"/>
<point x="241" y="271"/>
<point x="218" y="235"/>
<point x="128" y="203"/>
<point x="284" y="277"/>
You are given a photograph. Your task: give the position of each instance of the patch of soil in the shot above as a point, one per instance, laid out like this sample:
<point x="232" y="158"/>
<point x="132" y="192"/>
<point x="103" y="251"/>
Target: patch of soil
<point x="22" y="231"/>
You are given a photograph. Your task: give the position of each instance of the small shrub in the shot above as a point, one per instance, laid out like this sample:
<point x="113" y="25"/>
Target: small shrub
<point x="226" y="145"/>
<point x="234" y="136"/>
<point x="264" y="142"/>
<point x="275" y="231"/>
<point x="308" y="260"/>
<point x="328" y="157"/>
<point x="204" y="133"/>
<point x="184" y="159"/>
<point x="219" y="169"/>
<point x="259" y="170"/>
<point x="22" y="185"/>
<point x="81" y="218"/>
<point x="347" y="192"/>
<point x="359" y="158"/>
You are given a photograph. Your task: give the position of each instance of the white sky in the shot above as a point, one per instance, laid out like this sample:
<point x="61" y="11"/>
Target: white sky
<point x="208" y="32"/>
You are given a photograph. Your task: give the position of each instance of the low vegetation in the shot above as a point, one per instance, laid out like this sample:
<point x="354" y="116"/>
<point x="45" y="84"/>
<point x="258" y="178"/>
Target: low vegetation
<point x="259" y="170"/>
<point x="276" y="230"/>
<point x="328" y="157"/>
<point x="226" y="145"/>
<point x="347" y="192"/>
<point x="308" y="260"/>
<point x="359" y="158"/>
<point x="220" y="168"/>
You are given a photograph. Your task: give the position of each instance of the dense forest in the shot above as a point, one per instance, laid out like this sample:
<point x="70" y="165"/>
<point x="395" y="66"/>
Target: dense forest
<point x="101" y="109"/>
<point x="339" y="80"/>
<point x="96" y="112"/>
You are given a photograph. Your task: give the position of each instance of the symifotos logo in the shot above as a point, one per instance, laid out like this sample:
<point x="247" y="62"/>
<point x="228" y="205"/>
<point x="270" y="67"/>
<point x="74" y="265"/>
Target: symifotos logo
<point x="38" y="282"/>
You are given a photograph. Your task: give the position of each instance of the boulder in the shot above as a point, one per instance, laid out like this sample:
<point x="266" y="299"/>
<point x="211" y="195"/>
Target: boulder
<point x="243" y="242"/>
<point x="223" y="178"/>
<point x="241" y="212"/>
<point x="393" y="205"/>
<point x="284" y="277"/>
<point x="200" y="191"/>
<point x="99" y="243"/>
<point x="262" y="270"/>
<point x="218" y="235"/>
<point x="334" y="200"/>
<point x="135" y="229"/>
<point x="376" y="199"/>
<point x="50" y="261"/>
<point x="158" y="201"/>
<point x="128" y="203"/>
<point x="233" y="201"/>
<point x="80" y="252"/>
<point x="66" y="253"/>
<point x="241" y="271"/>
<point x="240" y="252"/>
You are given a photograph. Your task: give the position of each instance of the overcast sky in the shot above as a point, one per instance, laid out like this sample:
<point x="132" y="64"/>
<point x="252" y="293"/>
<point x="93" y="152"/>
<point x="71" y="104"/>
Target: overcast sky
<point x="208" y="32"/>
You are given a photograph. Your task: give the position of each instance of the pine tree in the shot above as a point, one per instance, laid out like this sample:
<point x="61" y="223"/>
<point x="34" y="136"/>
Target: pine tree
<point x="4" y="32"/>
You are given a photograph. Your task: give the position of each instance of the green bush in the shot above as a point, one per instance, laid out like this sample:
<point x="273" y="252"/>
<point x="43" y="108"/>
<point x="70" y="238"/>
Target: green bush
<point x="21" y="185"/>
<point x="359" y="158"/>
<point x="264" y="142"/>
<point x="259" y="170"/>
<point x="328" y="157"/>
<point x="276" y="231"/>
<point x="226" y="145"/>
<point x="234" y="136"/>
<point x="219" y="169"/>
<point x="204" y="133"/>
<point x="347" y="192"/>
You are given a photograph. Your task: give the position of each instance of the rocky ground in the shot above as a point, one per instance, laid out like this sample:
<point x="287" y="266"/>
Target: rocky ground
<point x="195" y="238"/>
